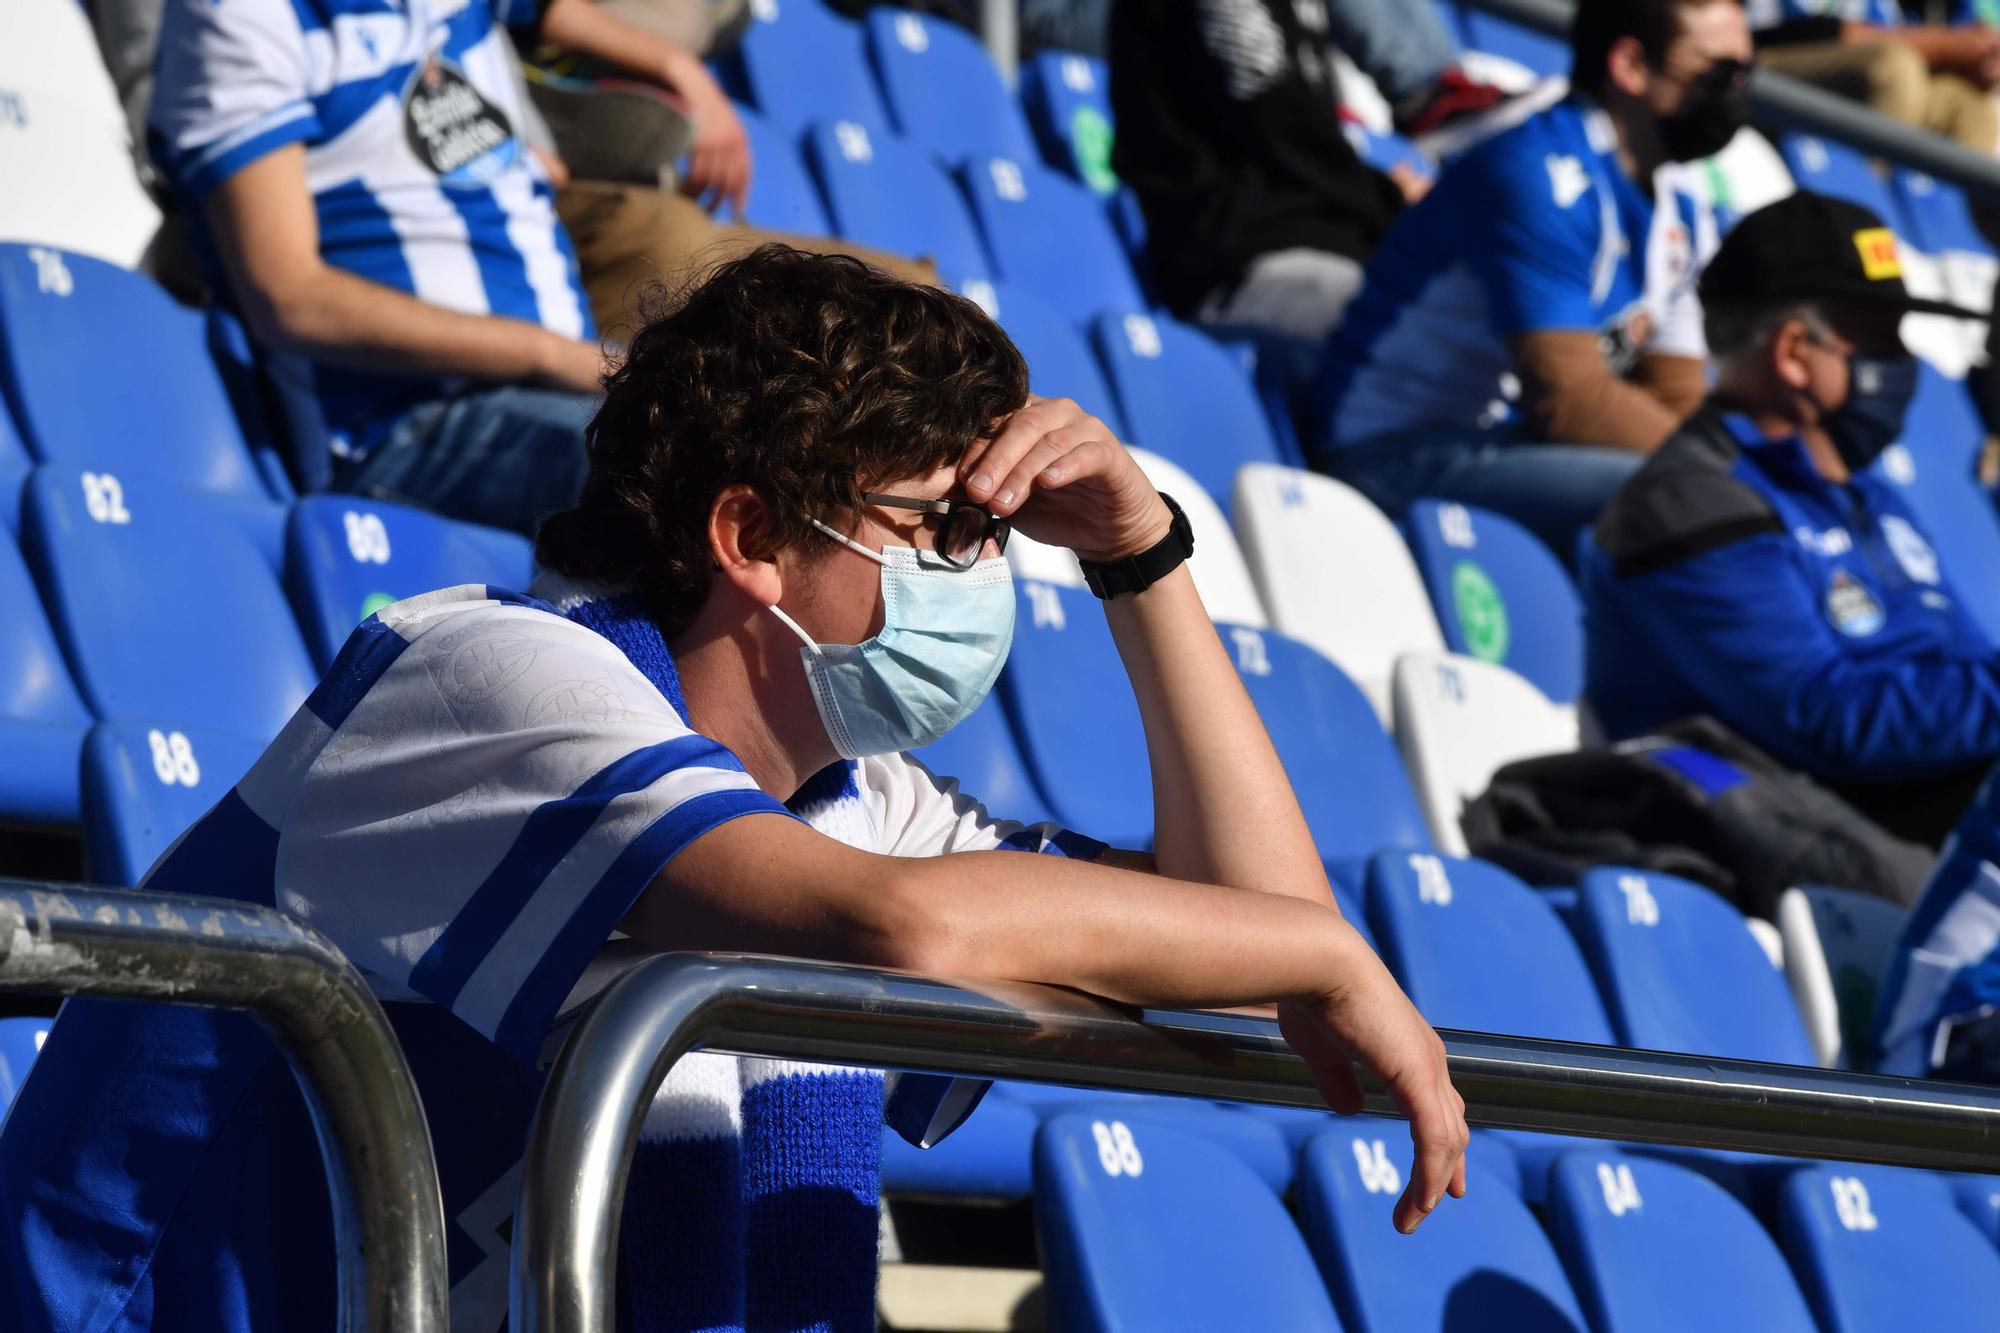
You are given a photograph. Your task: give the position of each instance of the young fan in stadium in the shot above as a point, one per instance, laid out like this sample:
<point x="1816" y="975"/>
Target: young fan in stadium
<point x="785" y="571"/>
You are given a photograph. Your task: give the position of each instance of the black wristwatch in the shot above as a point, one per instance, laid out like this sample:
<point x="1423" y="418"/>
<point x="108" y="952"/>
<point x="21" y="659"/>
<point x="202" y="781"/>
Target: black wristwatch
<point x="1136" y="573"/>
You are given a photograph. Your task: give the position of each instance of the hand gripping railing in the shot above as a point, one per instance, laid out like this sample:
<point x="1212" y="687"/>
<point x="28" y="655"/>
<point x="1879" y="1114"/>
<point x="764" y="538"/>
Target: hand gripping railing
<point x="1785" y="103"/>
<point x="587" y="1126"/>
<point x="388" y="1217"/>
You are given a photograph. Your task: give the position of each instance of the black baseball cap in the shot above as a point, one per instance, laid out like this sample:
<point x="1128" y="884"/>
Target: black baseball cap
<point x="1810" y="247"/>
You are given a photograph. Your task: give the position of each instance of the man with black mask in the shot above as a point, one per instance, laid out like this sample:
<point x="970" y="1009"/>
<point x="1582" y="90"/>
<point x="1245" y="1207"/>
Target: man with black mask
<point x="1526" y="333"/>
<point x="1760" y="570"/>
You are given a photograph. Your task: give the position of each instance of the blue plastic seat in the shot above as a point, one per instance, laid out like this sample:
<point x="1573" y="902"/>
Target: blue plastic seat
<point x="987" y="1157"/>
<point x="1067" y="696"/>
<point x="20" y="1040"/>
<point x="154" y="409"/>
<point x="1068" y="100"/>
<point x="1060" y="362"/>
<point x="1130" y="1222"/>
<point x="1256" y="1141"/>
<point x="42" y="717"/>
<point x="888" y="194"/>
<point x="782" y="194"/>
<point x="983" y="755"/>
<point x="1185" y="396"/>
<point x="165" y="608"/>
<point x="1933" y="466"/>
<point x="1876" y="1248"/>
<point x="1679" y="970"/>
<point x="1477" y="1263"/>
<point x="346" y="558"/>
<point x="1052" y="236"/>
<point x="144" y="785"/>
<point x="1827" y="166"/>
<point x="1500" y="595"/>
<point x="1939" y="215"/>
<point x="14" y="468"/>
<point x="1537" y="52"/>
<point x="800" y="62"/>
<point x="1978" y="1198"/>
<point x="1633" y="1231"/>
<point x="942" y="89"/>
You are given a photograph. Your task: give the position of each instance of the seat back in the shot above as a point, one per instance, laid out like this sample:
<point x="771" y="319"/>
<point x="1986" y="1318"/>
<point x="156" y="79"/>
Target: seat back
<point x="1878" y="1248"/>
<point x="1500" y="595"/>
<point x="1680" y="971"/>
<point x="1837" y="946"/>
<point x="1941" y="223"/>
<point x="1127" y="1213"/>
<point x="35" y="682"/>
<point x="1050" y="235"/>
<point x="1633" y="1230"/>
<point x="346" y="558"/>
<point x="1933" y="466"/>
<point x="1475" y="948"/>
<point x="144" y="785"/>
<point x="1068" y="99"/>
<point x="1342" y="766"/>
<point x="982" y="754"/>
<point x="1186" y="397"/>
<point x="164" y="607"/>
<point x="157" y="409"/>
<point x="1060" y="361"/>
<point x="1827" y="166"/>
<point x="782" y="194"/>
<point x="887" y="193"/>
<point x="14" y="468"/>
<point x="20" y="1041"/>
<point x="1542" y="55"/>
<point x="1458" y="721"/>
<point x="1334" y="573"/>
<point x="1220" y="573"/>
<point x="942" y="89"/>
<point x="1479" y="1262"/>
<point x="67" y="158"/>
<point x="800" y="62"/>
<point x="1072" y="709"/>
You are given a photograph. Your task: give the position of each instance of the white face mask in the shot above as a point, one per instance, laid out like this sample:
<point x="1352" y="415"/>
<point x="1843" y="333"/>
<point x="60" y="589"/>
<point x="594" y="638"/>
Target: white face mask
<point x="945" y="635"/>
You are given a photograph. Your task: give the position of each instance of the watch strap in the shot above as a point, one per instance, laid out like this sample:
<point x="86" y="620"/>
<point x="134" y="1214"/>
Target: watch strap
<point x="1136" y="573"/>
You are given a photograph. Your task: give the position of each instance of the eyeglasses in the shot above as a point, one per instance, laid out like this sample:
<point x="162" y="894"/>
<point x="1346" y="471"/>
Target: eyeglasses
<point x="963" y="527"/>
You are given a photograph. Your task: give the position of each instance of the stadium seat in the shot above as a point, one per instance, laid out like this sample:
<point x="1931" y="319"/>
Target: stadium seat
<point x="1827" y="166"/>
<point x="157" y="409"/>
<point x="1837" y="947"/>
<point x="1941" y="224"/>
<point x="346" y="558"/>
<point x="144" y="785"/>
<point x="1220" y="573"/>
<point x="1480" y="1262"/>
<point x="800" y="62"/>
<point x="1342" y="766"/>
<point x="1978" y="1199"/>
<point x="1876" y="1248"/>
<point x="1334" y="573"/>
<point x="1129" y="1221"/>
<point x="983" y="755"/>
<point x="14" y="468"/>
<point x="1254" y="1140"/>
<point x="1070" y="704"/>
<point x="84" y="194"/>
<point x="1679" y="971"/>
<point x="942" y="89"/>
<point x="987" y="1157"/>
<point x="1634" y="1231"/>
<point x="42" y="718"/>
<point x="1499" y="595"/>
<point x="1060" y="361"/>
<point x="782" y="194"/>
<point x="886" y="193"/>
<point x="1744" y="177"/>
<point x="1050" y="235"/>
<point x="1186" y="397"/>
<point x="164" y="607"/>
<point x="1542" y="55"/>
<point x="20" y="1040"/>
<point x="1933" y="465"/>
<point x="1458" y="721"/>
<point x="1068" y="98"/>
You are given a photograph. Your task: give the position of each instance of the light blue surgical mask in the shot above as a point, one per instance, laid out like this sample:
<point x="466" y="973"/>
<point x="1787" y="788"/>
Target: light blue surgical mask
<point x="945" y="635"/>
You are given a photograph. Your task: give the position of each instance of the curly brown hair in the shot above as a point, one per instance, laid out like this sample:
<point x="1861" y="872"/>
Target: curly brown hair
<point x="809" y="377"/>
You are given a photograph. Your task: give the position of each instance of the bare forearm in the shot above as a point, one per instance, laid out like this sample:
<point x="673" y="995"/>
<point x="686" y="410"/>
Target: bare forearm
<point x="589" y="29"/>
<point x="1605" y="411"/>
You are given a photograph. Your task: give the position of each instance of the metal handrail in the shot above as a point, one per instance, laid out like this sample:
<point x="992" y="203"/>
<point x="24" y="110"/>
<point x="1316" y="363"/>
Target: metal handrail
<point x="1782" y="102"/>
<point x="388" y="1214"/>
<point x="587" y="1126"/>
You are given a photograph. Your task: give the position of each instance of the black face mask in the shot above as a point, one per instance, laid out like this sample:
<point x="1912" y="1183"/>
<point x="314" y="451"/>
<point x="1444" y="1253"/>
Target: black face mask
<point x="1717" y="105"/>
<point x="1879" y="392"/>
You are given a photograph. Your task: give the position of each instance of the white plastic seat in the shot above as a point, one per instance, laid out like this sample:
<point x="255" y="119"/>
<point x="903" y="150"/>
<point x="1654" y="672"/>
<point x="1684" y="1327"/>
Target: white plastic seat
<point x="1457" y="721"/>
<point x="1220" y="574"/>
<point x="47" y="46"/>
<point x="67" y="179"/>
<point x="1334" y="573"/>
<point x="1837" y="947"/>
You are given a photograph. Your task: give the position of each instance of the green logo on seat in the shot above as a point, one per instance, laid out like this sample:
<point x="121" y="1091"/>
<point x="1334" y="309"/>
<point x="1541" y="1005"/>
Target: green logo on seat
<point x="1090" y="139"/>
<point x="376" y="601"/>
<point x="1482" y="615"/>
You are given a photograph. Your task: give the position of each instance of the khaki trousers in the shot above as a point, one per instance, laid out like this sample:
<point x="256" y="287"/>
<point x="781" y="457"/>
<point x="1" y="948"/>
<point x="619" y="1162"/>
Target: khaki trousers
<point x="1895" y="81"/>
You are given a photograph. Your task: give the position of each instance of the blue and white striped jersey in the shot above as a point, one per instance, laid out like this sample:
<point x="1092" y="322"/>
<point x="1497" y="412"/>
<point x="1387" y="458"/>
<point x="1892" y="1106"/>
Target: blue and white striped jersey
<point x="408" y="110"/>
<point x="468" y="804"/>
<point x="1537" y="229"/>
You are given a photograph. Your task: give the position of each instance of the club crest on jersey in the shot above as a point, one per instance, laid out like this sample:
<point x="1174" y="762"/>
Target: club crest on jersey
<point x="1912" y="552"/>
<point x="1852" y="607"/>
<point x="454" y="130"/>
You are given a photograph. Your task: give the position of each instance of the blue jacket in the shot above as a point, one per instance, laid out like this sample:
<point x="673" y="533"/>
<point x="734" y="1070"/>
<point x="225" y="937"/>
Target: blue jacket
<point x="1729" y="577"/>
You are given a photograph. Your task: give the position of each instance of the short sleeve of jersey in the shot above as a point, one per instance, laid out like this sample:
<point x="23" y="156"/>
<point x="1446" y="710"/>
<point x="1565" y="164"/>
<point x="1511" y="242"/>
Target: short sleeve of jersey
<point x="230" y="86"/>
<point x="1681" y="331"/>
<point x="1536" y="250"/>
<point x="499" y="787"/>
<point x="922" y="814"/>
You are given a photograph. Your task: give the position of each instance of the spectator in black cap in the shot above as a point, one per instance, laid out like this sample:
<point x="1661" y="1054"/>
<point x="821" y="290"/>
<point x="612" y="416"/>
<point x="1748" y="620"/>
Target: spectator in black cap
<point x="1756" y="569"/>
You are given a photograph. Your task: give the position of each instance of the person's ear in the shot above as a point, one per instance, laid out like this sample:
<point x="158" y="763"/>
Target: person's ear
<point x="739" y="524"/>
<point x="1787" y="355"/>
<point x="1627" y="67"/>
